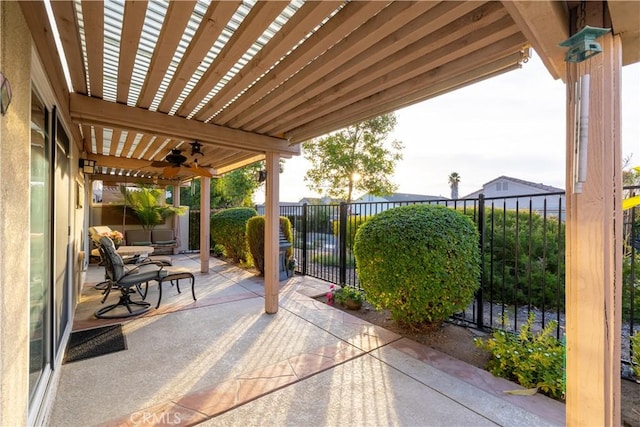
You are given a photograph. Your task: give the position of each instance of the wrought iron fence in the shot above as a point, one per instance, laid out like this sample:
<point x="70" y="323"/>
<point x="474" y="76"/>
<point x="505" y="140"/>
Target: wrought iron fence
<point x="631" y="283"/>
<point x="515" y="233"/>
<point x="522" y="245"/>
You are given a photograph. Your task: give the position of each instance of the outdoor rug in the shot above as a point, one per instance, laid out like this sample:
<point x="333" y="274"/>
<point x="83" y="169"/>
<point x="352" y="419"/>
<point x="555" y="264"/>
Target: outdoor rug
<point x="95" y="342"/>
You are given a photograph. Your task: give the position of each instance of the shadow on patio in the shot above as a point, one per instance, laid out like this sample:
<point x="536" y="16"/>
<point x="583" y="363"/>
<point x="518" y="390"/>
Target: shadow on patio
<point x="221" y="360"/>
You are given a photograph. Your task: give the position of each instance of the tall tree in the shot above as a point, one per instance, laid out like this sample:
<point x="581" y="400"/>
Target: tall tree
<point x="355" y="158"/>
<point x="234" y="189"/>
<point x="454" y="180"/>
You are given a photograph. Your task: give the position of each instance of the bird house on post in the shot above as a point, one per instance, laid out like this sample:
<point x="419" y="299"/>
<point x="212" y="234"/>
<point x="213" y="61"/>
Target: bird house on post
<point x="582" y="45"/>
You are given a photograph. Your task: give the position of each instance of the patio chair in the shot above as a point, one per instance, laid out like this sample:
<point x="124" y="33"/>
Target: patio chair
<point x="95" y="233"/>
<point x="127" y="281"/>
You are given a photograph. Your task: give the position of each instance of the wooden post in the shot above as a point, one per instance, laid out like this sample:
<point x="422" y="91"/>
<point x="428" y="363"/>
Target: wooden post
<point x="271" y="233"/>
<point x="205" y="223"/>
<point x="176" y="218"/>
<point x="594" y="245"/>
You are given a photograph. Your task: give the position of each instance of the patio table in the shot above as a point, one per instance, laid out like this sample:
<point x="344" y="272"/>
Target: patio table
<point x="134" y="250"/>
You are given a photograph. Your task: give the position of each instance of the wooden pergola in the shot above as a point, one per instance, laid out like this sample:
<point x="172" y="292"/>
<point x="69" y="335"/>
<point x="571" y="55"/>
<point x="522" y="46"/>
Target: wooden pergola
<point x="252" y="80"/>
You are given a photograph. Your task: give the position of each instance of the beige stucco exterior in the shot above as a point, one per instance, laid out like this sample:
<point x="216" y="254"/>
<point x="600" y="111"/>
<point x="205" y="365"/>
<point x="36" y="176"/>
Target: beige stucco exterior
<point x="543" y="24"/>
<point x="15" y="63"/>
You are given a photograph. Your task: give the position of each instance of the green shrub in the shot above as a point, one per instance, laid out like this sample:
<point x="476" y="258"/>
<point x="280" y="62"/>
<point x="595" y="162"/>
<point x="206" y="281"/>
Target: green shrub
<point x="333" y="260"/>
<point x="353" y="223"/>
<point x="635" y="351"/>
<point x="255" y="239"/>
<point x="421" y="262"/>
<point x="524" y="259"/>
<point x="630" y="287"/>
<point x="217" y="251"/>
<point x="228" y="229"/>
<point x="531" y="360"/>
<point x="318" y="219"/>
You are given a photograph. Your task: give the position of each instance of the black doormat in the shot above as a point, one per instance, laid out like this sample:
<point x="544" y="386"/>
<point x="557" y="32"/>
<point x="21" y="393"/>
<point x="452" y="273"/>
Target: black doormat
<point x="95" y="342"/>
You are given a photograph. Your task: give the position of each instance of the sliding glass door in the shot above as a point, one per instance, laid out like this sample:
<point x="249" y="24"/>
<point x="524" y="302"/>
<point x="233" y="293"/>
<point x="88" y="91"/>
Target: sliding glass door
<point x="40" y="242"/>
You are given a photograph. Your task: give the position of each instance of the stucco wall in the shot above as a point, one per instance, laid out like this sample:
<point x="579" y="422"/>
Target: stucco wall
<point x="15" y="57"/>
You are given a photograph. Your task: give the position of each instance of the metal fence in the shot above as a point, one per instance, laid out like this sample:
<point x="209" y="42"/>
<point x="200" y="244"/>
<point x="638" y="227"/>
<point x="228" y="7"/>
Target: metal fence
<point x="323" y="239"/>
<point x="522" y="245"/>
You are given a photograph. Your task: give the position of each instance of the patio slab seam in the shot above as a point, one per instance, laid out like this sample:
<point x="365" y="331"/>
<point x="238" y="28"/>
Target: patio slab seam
<point x="212" y="401"/>
<point x="249" y="386"/>
<point x="537" y="405"/>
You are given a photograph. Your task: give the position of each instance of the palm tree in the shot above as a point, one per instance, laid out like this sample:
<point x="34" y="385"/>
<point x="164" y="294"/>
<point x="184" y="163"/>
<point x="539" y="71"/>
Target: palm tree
<point x="147" y="205"/>
<point x="454" y="180"/>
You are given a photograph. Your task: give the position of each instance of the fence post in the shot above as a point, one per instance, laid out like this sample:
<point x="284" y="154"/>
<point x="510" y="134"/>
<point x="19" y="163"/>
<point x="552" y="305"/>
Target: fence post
<point x="342" y="239"/>
<point x="304" y="239"/>
<point x="479" y="296"/>
<point x="632" y="281"/>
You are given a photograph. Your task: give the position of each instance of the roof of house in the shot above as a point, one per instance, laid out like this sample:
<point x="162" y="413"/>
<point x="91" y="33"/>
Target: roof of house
<point x="407" y="197"/>
<point x="540" y="186"/>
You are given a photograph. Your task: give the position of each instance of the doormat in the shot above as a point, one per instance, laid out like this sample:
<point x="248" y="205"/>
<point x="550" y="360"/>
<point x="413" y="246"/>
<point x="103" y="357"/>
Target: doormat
<point x="94" y="342"/>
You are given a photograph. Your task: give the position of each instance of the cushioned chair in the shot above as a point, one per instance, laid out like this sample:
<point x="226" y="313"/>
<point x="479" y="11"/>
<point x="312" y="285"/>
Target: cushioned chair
<point x="163" y="240"/>
<point x="144" y="238"/>
<point x="138" y="237"/>
<point x="127" y="281"/>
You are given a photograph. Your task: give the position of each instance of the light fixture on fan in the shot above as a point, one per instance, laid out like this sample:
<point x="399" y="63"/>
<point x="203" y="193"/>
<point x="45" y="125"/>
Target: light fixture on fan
<point x="195" y="148"/>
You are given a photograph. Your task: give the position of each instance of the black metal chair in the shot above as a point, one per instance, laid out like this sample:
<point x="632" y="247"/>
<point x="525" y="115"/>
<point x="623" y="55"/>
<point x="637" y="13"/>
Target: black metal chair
<point x="127" y="281"/>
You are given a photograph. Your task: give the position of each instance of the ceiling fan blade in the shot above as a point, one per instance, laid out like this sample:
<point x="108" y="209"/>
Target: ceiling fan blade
<point x="171" y="171"/>
<point x="197" y="170"/>
<point x="160" y="164"/>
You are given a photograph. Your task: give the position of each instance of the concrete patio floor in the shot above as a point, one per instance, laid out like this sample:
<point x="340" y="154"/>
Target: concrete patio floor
<point x="222" y="361"/>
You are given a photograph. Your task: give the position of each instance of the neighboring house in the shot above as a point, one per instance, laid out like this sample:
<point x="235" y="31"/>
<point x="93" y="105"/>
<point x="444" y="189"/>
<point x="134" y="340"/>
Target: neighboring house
<point x="301" y="202"/>
<point x="511" y="193"/>
<point x="260" y="208"/>
<point x="364" y="206"/>
<point x="367" y="204"/>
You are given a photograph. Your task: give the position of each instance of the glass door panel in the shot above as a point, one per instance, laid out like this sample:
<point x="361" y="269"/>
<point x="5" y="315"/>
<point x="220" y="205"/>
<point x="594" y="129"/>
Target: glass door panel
<point x="39" y="274"/>
<point x="62" y="211"/>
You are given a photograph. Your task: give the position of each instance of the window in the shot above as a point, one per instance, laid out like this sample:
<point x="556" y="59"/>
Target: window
<point x="502" y="186"/>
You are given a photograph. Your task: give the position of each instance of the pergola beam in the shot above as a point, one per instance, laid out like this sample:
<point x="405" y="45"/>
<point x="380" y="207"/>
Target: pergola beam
<point x="36" y="17"/>
<point x="254" y="24"/>
<point x="413" y="60"/>
<point x="352" y="15"/>
<point x="93" y="15"/>
<point x="545" y="24"/>
<point x="445" y="78"/>
<point x="303" y="85"/>
<point x="296" y="28"/>
<point x="109" y="179"/>
<point x="213" y="22"/>
<point x="96" y="112"/>
<point x="624" y="17"/>
<point x="67" y="24"/>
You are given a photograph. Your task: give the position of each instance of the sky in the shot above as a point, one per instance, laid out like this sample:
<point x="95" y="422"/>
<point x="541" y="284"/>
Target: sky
<point x="512" y="125"/>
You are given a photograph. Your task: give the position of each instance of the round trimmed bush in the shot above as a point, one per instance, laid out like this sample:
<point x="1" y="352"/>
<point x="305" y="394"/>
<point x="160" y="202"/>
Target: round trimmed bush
<point x="255" y="239"/>
<point x="421" y="262"/>
<point x="228" y="229"/>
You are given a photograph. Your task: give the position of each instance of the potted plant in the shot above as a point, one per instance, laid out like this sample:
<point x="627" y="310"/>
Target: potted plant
<point x="291" y="266"/>
<point x="347" y="296"/>
<point x="115" y="236"/>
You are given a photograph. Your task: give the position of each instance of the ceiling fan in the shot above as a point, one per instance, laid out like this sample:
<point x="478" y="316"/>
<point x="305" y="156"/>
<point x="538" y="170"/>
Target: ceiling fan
<point x="175" y="161"/>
